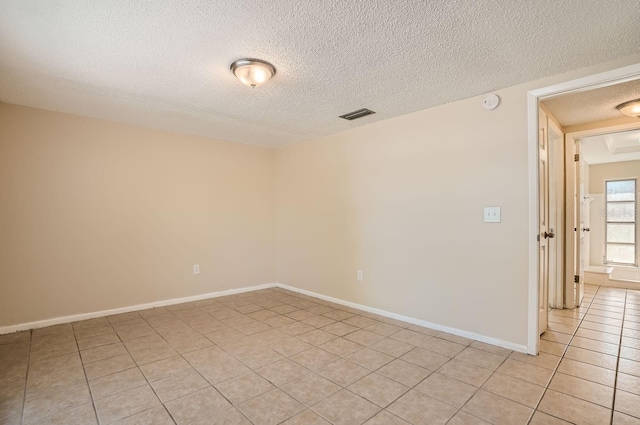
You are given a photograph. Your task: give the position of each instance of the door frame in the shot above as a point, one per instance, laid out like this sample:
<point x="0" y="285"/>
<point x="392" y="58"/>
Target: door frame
<point x="604" y="79"/>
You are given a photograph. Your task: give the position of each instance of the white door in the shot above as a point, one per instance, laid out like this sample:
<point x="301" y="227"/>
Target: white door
<point x="582" y="225"/>
<point x="545" y="232"/>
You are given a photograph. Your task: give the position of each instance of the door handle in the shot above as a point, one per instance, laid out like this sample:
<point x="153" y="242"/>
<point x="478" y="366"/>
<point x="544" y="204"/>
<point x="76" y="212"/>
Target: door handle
<point x="550" y="235"/>
<point x="585" y="229"/>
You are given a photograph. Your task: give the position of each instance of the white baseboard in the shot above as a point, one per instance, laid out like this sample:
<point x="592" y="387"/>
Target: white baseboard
<point x="459" y="332"/>
<point x="163" y="303"/>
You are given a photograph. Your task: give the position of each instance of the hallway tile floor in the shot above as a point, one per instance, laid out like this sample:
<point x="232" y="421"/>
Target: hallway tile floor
<point x="278" y="357"/>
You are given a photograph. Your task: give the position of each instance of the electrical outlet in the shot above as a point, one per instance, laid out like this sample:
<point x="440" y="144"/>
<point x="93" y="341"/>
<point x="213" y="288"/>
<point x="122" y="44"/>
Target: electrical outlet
<point x="492" y="215"/>
<point x="196" y="269"/>
<point x="360" y="276"/>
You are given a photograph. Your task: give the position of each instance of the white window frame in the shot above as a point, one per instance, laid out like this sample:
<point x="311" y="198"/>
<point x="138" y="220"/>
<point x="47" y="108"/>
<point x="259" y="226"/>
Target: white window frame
<point x="607" y="222"/>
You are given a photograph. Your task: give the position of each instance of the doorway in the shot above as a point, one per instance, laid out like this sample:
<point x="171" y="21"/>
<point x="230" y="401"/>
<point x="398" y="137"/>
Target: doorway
<point x="540" y="265"/>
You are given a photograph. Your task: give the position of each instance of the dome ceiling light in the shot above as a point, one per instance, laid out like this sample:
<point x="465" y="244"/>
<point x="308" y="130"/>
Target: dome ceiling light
<point x="630" y="108"/>
<point x="253" y="72"/>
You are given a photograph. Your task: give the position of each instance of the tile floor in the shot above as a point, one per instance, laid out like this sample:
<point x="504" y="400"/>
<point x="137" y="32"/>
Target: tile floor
<point x="277" y="357"/>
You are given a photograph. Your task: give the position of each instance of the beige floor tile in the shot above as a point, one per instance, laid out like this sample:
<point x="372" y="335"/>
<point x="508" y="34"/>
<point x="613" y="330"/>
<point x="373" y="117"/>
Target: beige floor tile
<point x="586" y="371"/>
<point x="527" y="372"/>
<point x="223" y="368"/>
<point x="259" y="357"/>
<point x="39" y="382"/>
<point x="341" y="347"/>
<point x="307" y="417"/>
<point x="316" y="337"/>
<point x="550" y="347"/>
<point x="318" y="321"/>
<point x="126" y="403"/>
<point x="314" y="358"/>
<point x="291" y="346"/>
<point x="270" y="408"/>
<point x="630" y="353"/>
<point x="628" y="383"/>
<point x="346" y="408"/>
<point x="504" y="352"/>
<point x="403" y="372"/>
<point x="386" y="418"/>
<point x="417" y="408"/>
<point x="497" y="410"/>
<point x="465" y="372"/>
<point x="369" y="359"/>
<point x="598" y="336"/>
<point x="343" y="372"/>
<point x="480" y="358"/>
<point x="230" y="416"/>
<point x="622" y="419"/>
<point x="244" y="387"/>
<point x="444" y="347"/>
<point x="103" y="352"/>
<point x="108" y="385"/>
<point x="573" y="409"/>
<point x="165" y="368"/>
<point x="583" y="389"/>
<point x="392" y="347"/>
<point x="383" y="329"/>
<point x="418" y="328"/>
<point x="282" y="371"/>
<point x="157" y="415"/>
<point x="178" y="385"/>
<point x="464" y="418"/>
<point x="310" y="388"/>
<point x="364" y="337"/>
<point x="197" y="406"/>
<point x="359" y="321"/>
<point x="81" y="415"/>
<point x="540" y="418"/>
<point x="558" y="337"/>
<point x="55" y="401"/>
<point x="592" y="357"/>
<point x="627" y="403"/>
<point x="411" y="337"/>
<point x="149" y="355"/>
<point x="339" y="329"/>
<point x="338" y="315"/>
<point x="593" y="345"/>
<point x="448" y="390"/>
<point x="108" y="366"/>
<point x="545" y="360"/>
<point x="425" y="358"/>
<point x="109" y="337"/>
<point x="514" y="389"/>
<point x="454" y="338"/>
<point x="629" y="367"/>
<point x="378" y="389"/>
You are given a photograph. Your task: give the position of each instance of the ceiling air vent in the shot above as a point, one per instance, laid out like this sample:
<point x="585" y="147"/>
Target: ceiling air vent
<point x="357" y="114"/>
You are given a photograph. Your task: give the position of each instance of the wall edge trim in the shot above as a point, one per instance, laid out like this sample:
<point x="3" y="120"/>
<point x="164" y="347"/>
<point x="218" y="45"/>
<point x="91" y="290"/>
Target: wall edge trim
<point x="454" y="331"/>
<point x="137" y="307"/>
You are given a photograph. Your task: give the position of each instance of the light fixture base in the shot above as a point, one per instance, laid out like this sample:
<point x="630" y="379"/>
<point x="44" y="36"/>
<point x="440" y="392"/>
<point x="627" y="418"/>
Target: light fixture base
<point x="252" y="72"/>
<point x="630" y="108"/>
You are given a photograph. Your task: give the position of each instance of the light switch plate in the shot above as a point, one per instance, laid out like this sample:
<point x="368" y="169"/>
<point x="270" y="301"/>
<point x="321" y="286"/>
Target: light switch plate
<point x="492" y="214"/>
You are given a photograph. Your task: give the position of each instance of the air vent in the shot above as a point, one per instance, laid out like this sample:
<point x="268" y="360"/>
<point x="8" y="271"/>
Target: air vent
<point x="357" y="114"/>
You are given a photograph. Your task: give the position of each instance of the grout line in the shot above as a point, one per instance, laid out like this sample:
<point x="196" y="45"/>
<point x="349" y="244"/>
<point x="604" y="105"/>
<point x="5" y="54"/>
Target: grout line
<point x="615" y="382"/>
<point x="86" y="378"/>
<point x="555" y="369"/>
<point x="26" y="378"/>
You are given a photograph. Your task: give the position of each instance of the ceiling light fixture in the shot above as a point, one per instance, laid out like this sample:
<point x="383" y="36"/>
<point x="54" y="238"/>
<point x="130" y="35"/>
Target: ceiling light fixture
<point x="253" y="72"/>
<point x="630" y="108"/>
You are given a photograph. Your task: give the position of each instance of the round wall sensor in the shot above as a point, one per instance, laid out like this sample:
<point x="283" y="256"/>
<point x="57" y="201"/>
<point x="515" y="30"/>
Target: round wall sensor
<point x="491" y="102"/>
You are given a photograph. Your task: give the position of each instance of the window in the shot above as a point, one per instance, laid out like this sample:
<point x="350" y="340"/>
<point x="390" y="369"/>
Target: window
<point x="620" y="230"/>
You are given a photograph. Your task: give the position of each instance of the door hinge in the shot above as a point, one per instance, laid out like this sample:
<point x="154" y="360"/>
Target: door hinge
<point x="576" y="157"/>
<point x="538" y="238"/>
<point x="576" y="279"/>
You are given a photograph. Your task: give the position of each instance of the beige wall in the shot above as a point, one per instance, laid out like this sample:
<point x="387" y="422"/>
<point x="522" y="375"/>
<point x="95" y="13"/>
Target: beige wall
<point x="402" y="200"/>
<point x="97" y="215"/>
<point x="598" y="173"/>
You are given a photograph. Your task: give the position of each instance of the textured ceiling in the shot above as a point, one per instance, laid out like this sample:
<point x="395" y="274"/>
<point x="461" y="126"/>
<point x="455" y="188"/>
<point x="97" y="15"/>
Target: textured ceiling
<point x="614" y="147"/>
<point x="165" y="64"/>
<point x="592" y="105"/>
